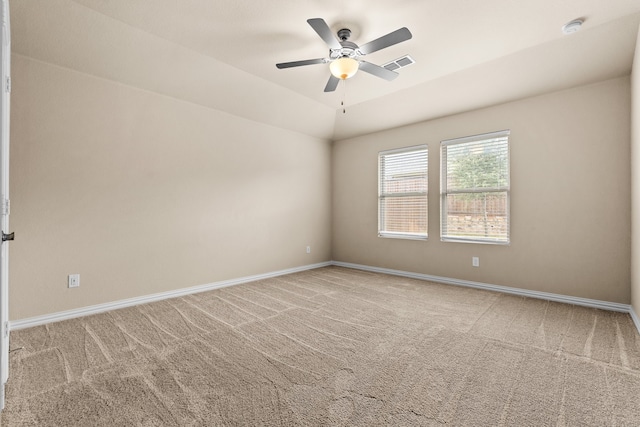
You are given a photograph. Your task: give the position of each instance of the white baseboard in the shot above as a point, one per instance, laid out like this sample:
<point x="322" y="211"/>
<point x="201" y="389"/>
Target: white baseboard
<point x="603" y="305"/>
<point x="100" y="308"/>
<point x="635" y="318"/>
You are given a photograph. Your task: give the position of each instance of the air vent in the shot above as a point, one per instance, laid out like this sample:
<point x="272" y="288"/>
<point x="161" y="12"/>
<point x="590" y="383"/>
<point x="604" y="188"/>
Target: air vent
<point x="399" y="63"/>
<point x="391" y="66"/>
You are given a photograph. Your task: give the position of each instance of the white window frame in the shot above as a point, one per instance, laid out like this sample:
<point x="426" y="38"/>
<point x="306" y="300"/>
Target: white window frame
<point x="444" y="191"/>
<point x="383" y="196"/>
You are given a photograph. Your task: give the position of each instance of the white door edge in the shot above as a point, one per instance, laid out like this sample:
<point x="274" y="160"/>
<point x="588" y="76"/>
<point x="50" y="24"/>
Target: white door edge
<point x="5" y="88"/>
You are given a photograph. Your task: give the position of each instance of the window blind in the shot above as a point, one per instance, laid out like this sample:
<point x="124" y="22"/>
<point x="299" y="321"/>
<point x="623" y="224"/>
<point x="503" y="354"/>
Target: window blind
<point x="475" y="188"/>
<point x="402" y="193"/>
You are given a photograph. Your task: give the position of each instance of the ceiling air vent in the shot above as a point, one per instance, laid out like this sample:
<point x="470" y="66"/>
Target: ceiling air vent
<point x="399" y="63"/>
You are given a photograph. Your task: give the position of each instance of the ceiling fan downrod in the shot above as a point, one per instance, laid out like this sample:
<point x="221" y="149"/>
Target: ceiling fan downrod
<point x="344" y="34"/>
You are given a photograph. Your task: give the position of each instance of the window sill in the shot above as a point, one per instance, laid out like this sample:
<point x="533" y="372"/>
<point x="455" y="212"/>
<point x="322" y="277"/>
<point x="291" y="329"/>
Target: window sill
<point x="477" y="241"/>
<point x="388" y="235"/>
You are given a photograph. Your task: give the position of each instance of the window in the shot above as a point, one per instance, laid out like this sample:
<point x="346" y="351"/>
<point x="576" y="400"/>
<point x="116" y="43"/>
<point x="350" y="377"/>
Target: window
<point x="475" y="189"/>
<point x="402" y="193"/>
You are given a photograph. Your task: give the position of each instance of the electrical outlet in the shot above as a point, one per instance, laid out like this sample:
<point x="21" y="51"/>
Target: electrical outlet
<point x="74" y="280"/>
<point x="475" y="261"/>
<point x="308" y="249"/>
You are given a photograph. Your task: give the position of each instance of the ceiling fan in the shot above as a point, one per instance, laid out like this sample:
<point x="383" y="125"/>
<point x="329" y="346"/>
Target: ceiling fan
<point x="345" y="56"/>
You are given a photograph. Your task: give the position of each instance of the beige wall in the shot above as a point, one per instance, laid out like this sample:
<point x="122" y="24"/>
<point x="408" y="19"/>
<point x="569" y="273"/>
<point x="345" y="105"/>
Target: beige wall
<point x="142" y="193"/>
<point x="635" y="176"/>
<point x="570" y="201"/>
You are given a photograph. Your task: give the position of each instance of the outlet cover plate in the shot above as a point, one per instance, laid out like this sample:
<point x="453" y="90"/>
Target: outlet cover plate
<point x="74" y="280"/>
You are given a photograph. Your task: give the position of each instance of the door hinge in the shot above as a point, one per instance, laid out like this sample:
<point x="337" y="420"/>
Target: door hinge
<point x="6" y="207"/>
<point x="7" y="87"/>
<point x="6" y="329"/>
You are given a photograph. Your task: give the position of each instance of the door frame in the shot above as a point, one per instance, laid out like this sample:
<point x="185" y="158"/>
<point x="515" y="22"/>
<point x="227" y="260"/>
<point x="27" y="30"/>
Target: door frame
<point x="5" y="89"/>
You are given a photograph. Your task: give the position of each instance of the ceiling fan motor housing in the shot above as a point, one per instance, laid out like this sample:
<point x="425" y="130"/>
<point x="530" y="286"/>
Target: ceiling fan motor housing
<point x="349" y="49"/>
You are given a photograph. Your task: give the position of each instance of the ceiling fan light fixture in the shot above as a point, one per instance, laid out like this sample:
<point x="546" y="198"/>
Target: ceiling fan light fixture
<point x="344" y="56"/>
<point x="344" y="67"/>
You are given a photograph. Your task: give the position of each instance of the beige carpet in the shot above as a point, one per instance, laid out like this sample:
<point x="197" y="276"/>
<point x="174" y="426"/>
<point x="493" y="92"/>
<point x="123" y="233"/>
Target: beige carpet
<point x="334" y="347"/>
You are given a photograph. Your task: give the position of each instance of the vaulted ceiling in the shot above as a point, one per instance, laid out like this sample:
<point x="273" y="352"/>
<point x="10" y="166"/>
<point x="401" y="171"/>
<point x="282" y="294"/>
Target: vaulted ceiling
<point x="222" y="53"/>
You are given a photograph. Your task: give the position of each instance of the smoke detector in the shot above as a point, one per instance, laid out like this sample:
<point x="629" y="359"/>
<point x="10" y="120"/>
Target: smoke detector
<point x="572" y="26"/>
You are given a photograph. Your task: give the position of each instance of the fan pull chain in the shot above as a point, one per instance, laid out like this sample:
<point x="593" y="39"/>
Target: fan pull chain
<point x="344" y="96"/>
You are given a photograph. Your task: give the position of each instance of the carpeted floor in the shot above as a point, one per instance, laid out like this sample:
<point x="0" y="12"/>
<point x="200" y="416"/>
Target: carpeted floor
<point x="330" y="347"/>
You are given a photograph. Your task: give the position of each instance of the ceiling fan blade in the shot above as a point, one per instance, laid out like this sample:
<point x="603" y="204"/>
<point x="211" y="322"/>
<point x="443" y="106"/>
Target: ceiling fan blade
<point x="332" y="84"/>
<point x="323" y="30"/>
<point x="398" y="36"/>
<point x="377" y="70"/>
<point x="301" y="63"/>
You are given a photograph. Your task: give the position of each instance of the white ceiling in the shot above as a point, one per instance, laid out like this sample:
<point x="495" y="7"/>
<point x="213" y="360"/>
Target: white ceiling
<point x="222" y="53"/>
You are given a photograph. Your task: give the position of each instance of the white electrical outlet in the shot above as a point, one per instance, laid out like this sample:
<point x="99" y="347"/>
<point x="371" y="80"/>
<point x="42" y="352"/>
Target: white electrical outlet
<point x="308" y="249"/>
<point x="475" y="261"/>
<point x="74" y="280"/>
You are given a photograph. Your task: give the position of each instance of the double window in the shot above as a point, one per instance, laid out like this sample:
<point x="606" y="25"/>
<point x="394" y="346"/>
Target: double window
<point x="474" y="190"/>
<point x="402" y="193"/>
<point x="474" y="196"/>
